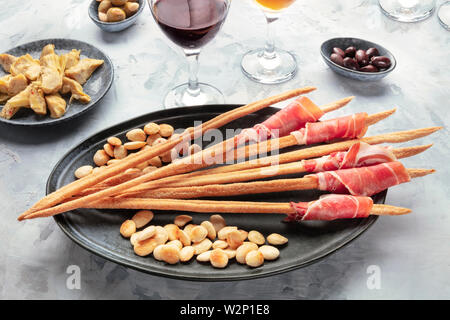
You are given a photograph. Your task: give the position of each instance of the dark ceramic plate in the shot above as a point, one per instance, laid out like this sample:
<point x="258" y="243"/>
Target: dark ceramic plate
<point x="343" y="43"/>
<point x="96" y="87"/>
<point x="98" y="230"/>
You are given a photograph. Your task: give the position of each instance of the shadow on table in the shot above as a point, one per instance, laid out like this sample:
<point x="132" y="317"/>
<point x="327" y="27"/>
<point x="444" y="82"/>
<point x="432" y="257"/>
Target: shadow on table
<point x="362" y="88"/>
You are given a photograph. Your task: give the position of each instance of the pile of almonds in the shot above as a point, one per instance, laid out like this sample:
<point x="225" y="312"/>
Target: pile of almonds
<point x="210" y="241"/>
<point x="138" y="139"/>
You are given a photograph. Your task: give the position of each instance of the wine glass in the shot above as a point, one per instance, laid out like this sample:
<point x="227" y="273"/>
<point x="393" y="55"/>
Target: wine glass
<point x="270" y="65"/>
<point x="444" y="15"/>
<point x="191" y="24"/>
<point x="407" y="10"/>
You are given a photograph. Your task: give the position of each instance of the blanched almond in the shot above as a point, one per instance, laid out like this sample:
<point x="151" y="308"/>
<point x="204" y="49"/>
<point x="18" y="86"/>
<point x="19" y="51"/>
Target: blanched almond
<point x="186" y="253"/>
<point x="109" y="149"/>
<point x="146" y="233"/>
<point x="203" y="246"/>
<point x="242" y="251"/>
<point x="217" y="221"/>
<point x="198" y="233"/>
<point x="218" y="258"/>
<point x="146" y="247"/>
<point x="204" y="256"/>
<point x="220" y="244"/>
<point x="230" y="253"/>
<point x="151" y="128"/>
<point x="127" y="228"/>
<point x="172" y="231"/>
<point x="133" y="237"/>
<point x="210" y="228"/>
<point x="100" y="158"/>
<point x="182" y="220"/>
<point x="170" y="254"/>
<point x="157" y="252"/>
<point x="155" y="162"/>
<point x="83" y="171"/>
<point x="234" y="239"/>
<point x="276" y="239"/>
<point x="158" y="141"/>
<point x="134" y="145"/>
<point x="165" y="130"/>
<point x="254" y="259"/>
<point x="136" y="135"/>
<point x="161" y="235"/>
<point x="120" y="152"/>
<point x="176" y="243"/>
<point x="142" y="217"/>
<point x="256" y="237"/>
<point x="184" y="237"/>
<point x="152" y="138"/>
<point x="188" y="228"/>
<point x="244" y="234"/>
<point x="114" y="141"/>
<point x="222" y="234"/>
<point x="269" y="252"/>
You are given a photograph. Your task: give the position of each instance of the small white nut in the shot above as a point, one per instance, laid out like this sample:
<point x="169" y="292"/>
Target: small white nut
<point x="152" y="138"/>
<point x="133" y="237"/>
<point x="220" y="244"/>
<point x="145" y="234"/>
<point x="242" y="251"/>
<point x="172" y="231"/>
<point x="165" y="130"/>
<point x="210" y="228"/>
<point x="157" y="252"/>
<point x="109" y="149"/>
<point x="254" y="259"/>
<point x="218" y="258"/>
<point x="100" y="158"/>
<point x="136" y="135"/>
<point x="203" y="246"/>
<point x="204" y="256"/>
<point x="186" y="253"/>
<point x="83" y="171"/>
<point x="114" y="141"/>
<point x="127" y="228"/>
<point x="222" y="234"/>
<point x="170" y="254"/>
<point x="142" y="217"/>
<point x="256" y="237"/>
<point x="198" y="233"/>
<point x="276" y="239"/>
<point x="234" y="239"/>
<point x="176" y="243"/>
<point x="158" y="141"/>
<point x="269" y="252"/>
<point x="151" y="128"/>
<point x="182" y="220"/>
<point x="188" y="228"/>
<point x="161" y="235"/>
<point x="155" y="162"/>
<point x="184" y="237"/>
<point x="230" y="253"/>
<point x="120" y="152"/>
<point x="244" y="234"/>
<point x="217" y="221"/>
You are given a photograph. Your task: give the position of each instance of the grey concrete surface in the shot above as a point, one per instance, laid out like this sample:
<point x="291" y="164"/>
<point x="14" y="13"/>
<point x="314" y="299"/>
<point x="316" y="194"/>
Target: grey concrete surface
<point x="411" y="252"/>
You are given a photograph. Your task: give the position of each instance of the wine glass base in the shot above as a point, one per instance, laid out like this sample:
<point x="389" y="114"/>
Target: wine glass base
<point x="181" y="96"/>
<point x="280" y="67"/>
<point x="399" y="13"/>
<point x="444" y="15"/>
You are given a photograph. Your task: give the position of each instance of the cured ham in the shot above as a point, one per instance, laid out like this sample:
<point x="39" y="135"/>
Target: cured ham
<point x="365" y="181"/>
<point x="360" y="154"/>
<point x="348" y="127"/>
<point x="332" y="207"/>
<point x="293" y="117"/>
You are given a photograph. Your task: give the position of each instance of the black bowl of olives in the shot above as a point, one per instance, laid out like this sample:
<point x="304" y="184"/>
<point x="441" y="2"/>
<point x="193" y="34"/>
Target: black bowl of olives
<point x="357" y="58"/>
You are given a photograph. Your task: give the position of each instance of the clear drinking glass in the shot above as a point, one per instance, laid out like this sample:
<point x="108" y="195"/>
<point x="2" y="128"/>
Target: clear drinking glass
<point x="444" y="15"/>
<point x="407" y="10"/>
<point x="270" y="65"/>
<point x="191" y="24"/>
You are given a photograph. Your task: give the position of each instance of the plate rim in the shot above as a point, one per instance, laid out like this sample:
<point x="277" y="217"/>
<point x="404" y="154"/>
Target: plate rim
<point x="61" y="222"/>
<point x="63" y="119"/>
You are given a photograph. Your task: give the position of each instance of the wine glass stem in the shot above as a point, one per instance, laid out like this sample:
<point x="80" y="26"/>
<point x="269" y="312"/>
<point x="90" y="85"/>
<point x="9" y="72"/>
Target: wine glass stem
<point x="269" y="50"/>
<point x="192" y="58"/>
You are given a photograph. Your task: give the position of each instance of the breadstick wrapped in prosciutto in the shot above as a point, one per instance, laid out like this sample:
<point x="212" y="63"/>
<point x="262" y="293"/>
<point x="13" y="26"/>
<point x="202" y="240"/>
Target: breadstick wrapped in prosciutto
<point x="332" y="207"/>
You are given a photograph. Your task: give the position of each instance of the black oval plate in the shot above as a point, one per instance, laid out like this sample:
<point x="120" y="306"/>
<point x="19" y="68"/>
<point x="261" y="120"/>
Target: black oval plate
<point x="96" y="87"/>
<point x="98" y="230"/>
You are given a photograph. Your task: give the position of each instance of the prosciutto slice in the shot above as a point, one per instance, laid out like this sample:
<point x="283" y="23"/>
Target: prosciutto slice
<point x="332" y="207"/>
<point x="348" y="127"/>
<point x="293" y="117"/>
<point x="360" y="154"/>
<point x="365" y="181"/>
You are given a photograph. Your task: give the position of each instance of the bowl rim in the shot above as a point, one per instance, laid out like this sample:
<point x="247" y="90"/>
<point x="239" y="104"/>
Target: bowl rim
<point x="370" y="74"/>
<point x="95" y="18"/>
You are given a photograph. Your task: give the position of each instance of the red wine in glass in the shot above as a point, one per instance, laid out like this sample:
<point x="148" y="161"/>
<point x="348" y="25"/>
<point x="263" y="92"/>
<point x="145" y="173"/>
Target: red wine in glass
<point x="190" y="23"/>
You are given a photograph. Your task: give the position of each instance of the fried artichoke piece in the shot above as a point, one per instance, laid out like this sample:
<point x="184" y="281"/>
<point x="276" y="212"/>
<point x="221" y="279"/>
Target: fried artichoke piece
<point x="70" y="85"/>
<point x="83" y="70"/>
<point x="48" y="49"/>
<point x="6" y="61"/>
<point x="70" y="59"/>
<point x="37" y="100"/>
<point x="27" y="66"/>
<point x="12" y="85"/>
<point x="51" y="70"/>
<point x="56" y="104"/>
<point x="22" y="99"/>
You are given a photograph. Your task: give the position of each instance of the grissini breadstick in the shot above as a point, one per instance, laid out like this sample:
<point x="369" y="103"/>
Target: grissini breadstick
<point x="306" y="153"/>
<point x="172" y="169"/>
<point x="296" y="184"/>
<point x="338" y="160"/>
<point x="144" y="155"/>
<point x="343" y="205"/>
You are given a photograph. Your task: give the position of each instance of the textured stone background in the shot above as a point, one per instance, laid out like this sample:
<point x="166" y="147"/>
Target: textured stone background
<point x="411" y="251"/>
